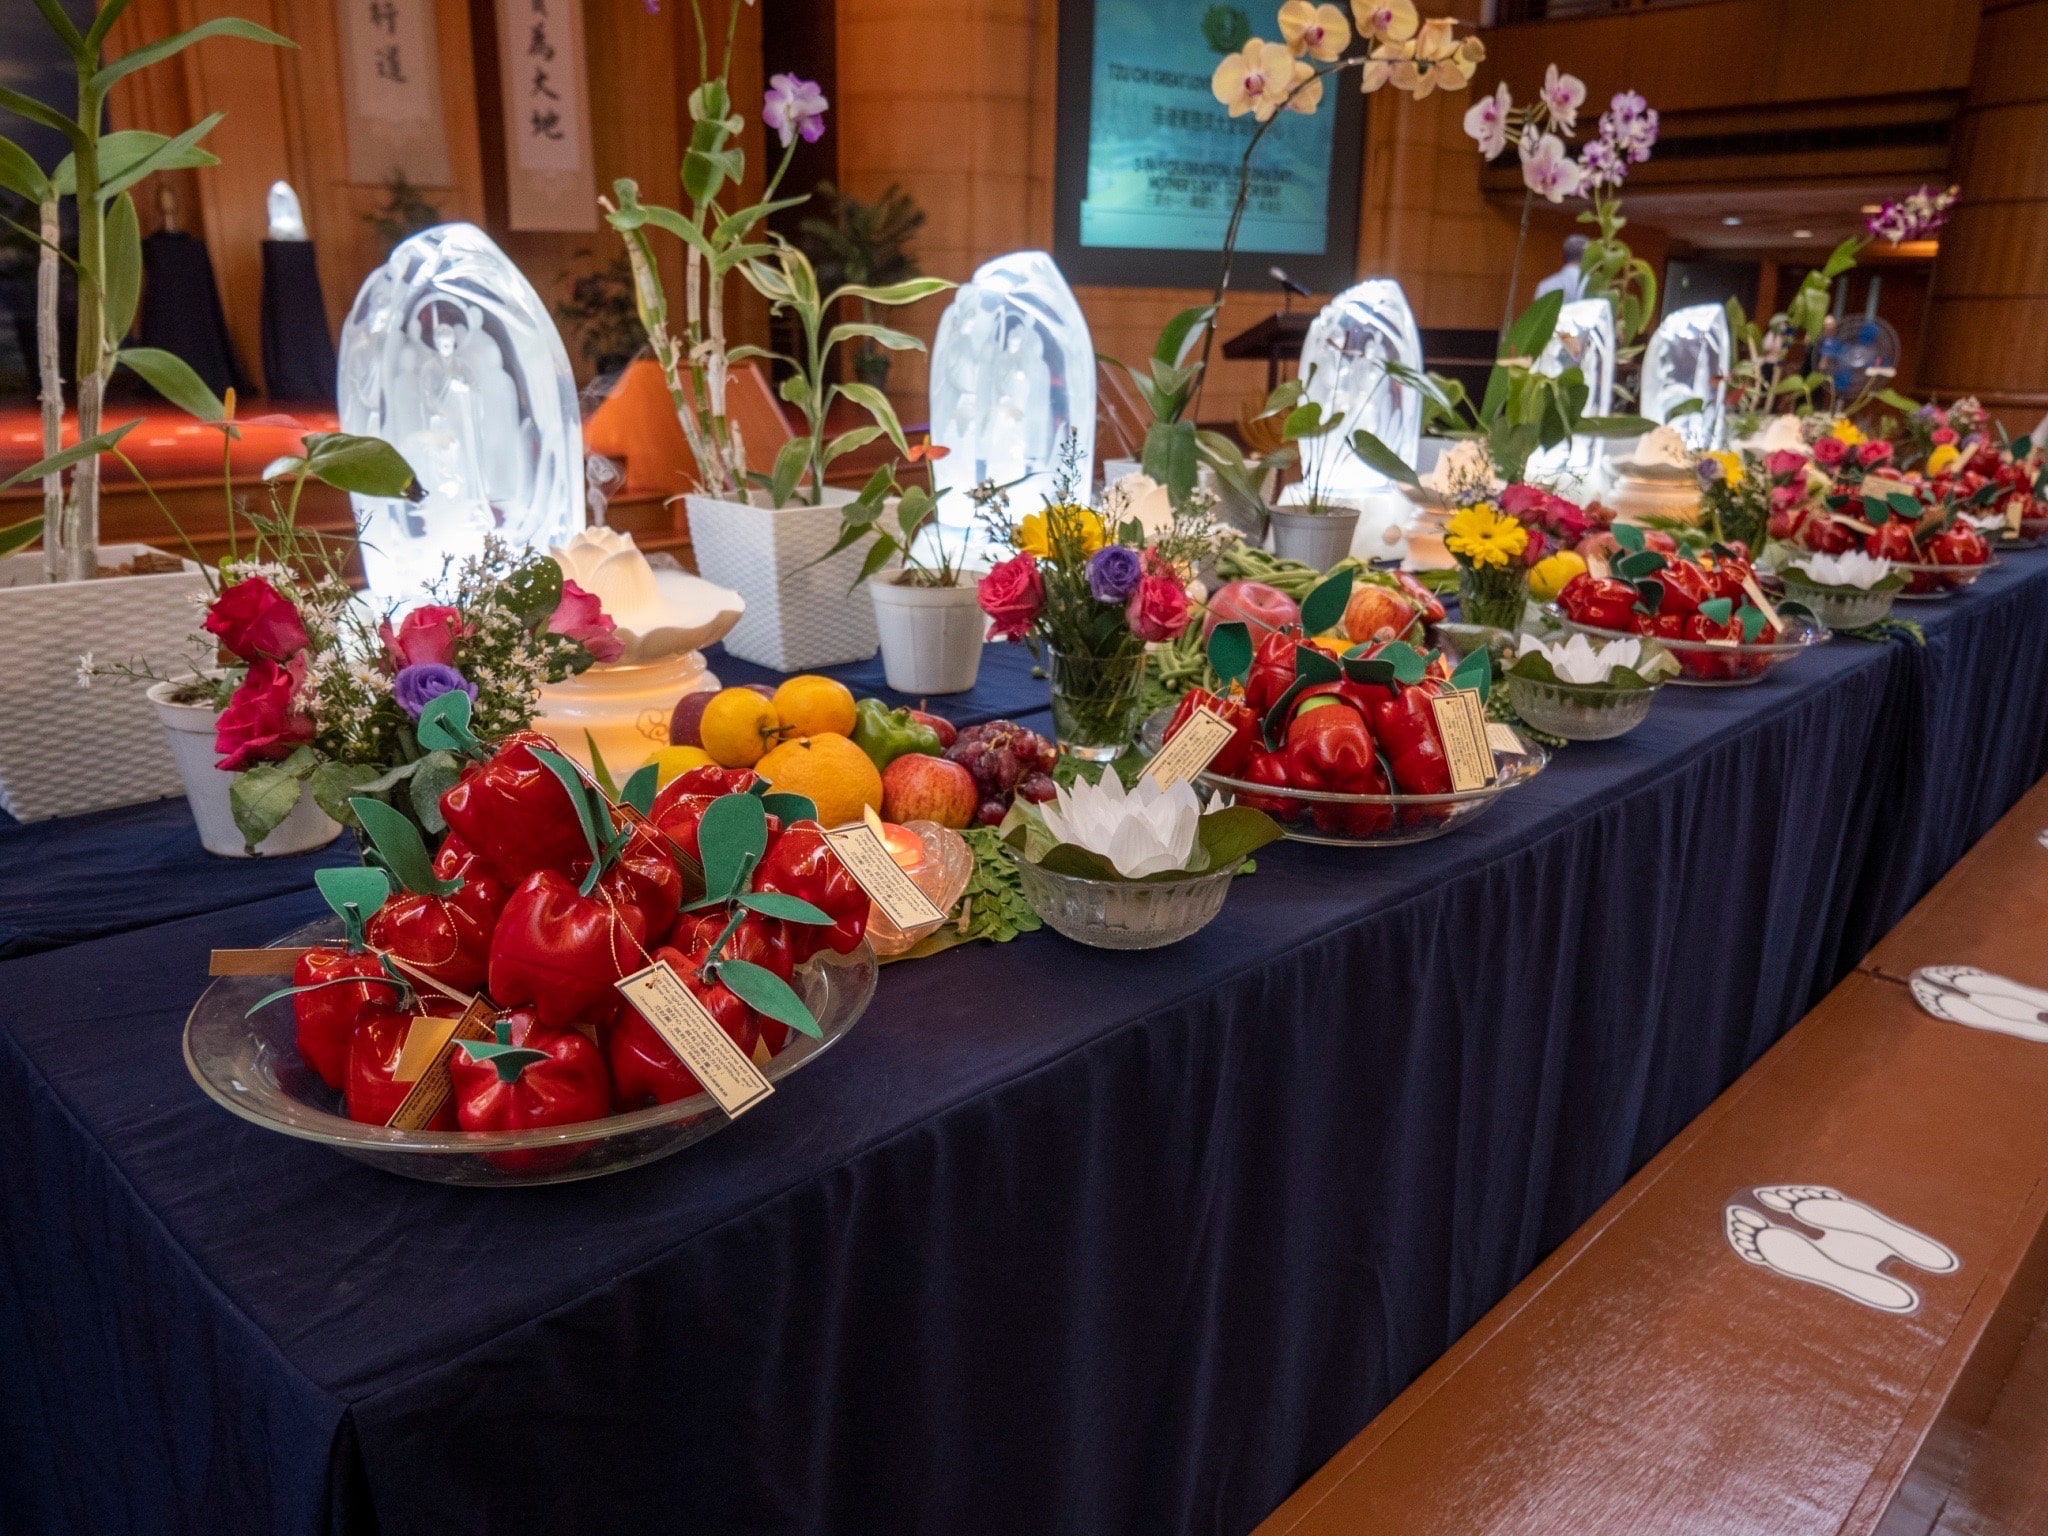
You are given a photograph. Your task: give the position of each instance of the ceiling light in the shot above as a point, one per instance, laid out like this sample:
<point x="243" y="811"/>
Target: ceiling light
<point x="1732" y="220"/>
<point x="1873" y="208"/>
<point x="1802" y="234"/>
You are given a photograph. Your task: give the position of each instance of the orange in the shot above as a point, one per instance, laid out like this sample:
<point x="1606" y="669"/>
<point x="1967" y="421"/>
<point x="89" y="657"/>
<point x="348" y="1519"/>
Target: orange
<point x="811" y="705"/>
<point x="837" y="775"/>
<point x="737" y="727"/>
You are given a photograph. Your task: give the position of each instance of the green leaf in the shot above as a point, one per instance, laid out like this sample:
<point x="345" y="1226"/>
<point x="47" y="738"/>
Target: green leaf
<point x="1230" y="651"/>
<point x="510" y="1060"/>
<point x="730" y="840"/>
<point x="1407" y="662"/>
<point x="65" y="458"/>
<point x="877" y="405"/>
<point x="596" y="828"/>
<point x="790" y="462"/>
<point x="640" y="787"/>
<point x="1306" y="420"/>
<point x="1234" y="834"/>
<point x="20" y="174"/>
<point x="791" y="909"/>
<point x="333" y="784"/>
<point x="895" y="341"/>
<point x="20" y="535"/>
<point x="1904" y="507"/>
<point x="848" y="442"/>
<point x="433" y="776"/>
<point x="124" y="268"/>
<point x="1717" y="610"/>
<point x="1628" y="536"/>
<point x="1311" y="669"/>
<point x="399" y="845"/>
<point x="535" y="589"/>
<point x="1533" y="328"/>
<point x="355" y="886"/>
<point x="1475" y="672"/>
<point x="36" y="112"/>
<point x="173" y="378"/>
<point x="765" y="992"/>
<point x="128" y="156"/>
<point x="1379" y="456"/>
<point x="369" y="466"/>
<point x="908" y="292"/>
<point x="790" y="808"/>
<point x="600" y="769"/>
<point x="1752" y="622"/>
<point x="880" y="553"/>
<point x="1323" y="609"/>
<point x="1169" y="457"/>
<point x="1644" y="562"/>
<point x="260" y="798"/>
<point x="152" y="53"/>
<point x="1614" y="426"/>
<point x="1180" y="335"/>
<point x="444" y="723"/>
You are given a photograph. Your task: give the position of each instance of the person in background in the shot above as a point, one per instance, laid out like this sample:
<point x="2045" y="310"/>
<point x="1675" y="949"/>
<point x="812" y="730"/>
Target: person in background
<point x="1567" y="279"/>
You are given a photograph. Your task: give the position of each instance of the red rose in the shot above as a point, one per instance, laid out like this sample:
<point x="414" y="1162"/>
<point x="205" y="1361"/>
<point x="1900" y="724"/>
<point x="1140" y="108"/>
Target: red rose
<point x="425" y="637"/>
<point x="581" y="617"/>
<point x="1830" y="451"/>
<point x="261" y="723"/>
<point x="1011" y="594"/>
<point x="1784" y="464"/>
<point x="1873" y="452"/>
<point x="1158" y="610"/>
<point x="1522" y="501"/>
<point x="254" y="620"/>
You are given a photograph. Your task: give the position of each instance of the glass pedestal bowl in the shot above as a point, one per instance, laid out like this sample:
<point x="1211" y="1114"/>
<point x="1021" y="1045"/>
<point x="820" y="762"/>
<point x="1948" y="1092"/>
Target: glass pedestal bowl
<point x="1705" y="664"/>
<point x="1123" y="914"/>
<point x="1838" y="607"/>
<point x="1578" y="711"/>
<point x="250" y="1066"/>
<point x="1931" y="583"/>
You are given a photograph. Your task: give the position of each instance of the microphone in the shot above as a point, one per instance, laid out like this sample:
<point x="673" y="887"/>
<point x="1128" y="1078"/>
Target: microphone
<point x="1279" y="275"/>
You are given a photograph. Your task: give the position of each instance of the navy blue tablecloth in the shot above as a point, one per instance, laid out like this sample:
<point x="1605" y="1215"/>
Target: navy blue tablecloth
<point x="1057" y="1241"/>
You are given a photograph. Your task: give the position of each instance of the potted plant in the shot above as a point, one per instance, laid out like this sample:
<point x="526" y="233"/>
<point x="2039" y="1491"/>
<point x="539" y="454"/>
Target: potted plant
<point x="867" y="244"/>
<point x="928" y="615"/>
<point x="55" y="605"/>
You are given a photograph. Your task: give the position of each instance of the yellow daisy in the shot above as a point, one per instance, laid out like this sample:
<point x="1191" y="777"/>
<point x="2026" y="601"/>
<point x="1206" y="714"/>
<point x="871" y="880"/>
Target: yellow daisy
<point x="1483" y="535"/>
<point x="1731" y="467"/>
<point x="1035" y="533"/>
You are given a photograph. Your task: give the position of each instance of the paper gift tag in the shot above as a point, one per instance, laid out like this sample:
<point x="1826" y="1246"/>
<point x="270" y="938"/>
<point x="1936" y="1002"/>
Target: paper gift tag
<point x="2015" y="507"/>
<point x="861" y="850"/>
<point x="431" y="1088"/>
<point x="1191" y="748"/>
<point x="1503" y="740"/>
<point x="675" y="1013"/>
<point x="1755" y="594"/>
<point x="1461" y="722"/>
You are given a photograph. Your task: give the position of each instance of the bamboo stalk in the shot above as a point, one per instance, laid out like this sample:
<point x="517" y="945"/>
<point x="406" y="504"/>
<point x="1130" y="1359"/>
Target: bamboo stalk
<point x="53" y="390"/>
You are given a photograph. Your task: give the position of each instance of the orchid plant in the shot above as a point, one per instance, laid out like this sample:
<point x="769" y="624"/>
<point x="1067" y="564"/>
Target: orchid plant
<point x="717" y="243"/>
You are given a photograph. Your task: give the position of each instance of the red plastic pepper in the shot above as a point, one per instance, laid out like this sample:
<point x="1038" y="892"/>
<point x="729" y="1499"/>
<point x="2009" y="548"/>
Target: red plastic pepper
<point x="562" y="951"/>
<point x="1685" y="587"/>
<point x="1892" y="539"/>
<point x="1244" y="724"/>
<point x="801" y="863"/>
<point x="370" y="1094"/>
<point x="1824" y="536"/>
<point x="644" y="875"/>
<point x="765" y="941"/>
<point x="1265" y="767"/>
<point x="565" y="1084"/>
<point x="1405" y="727"/>
<point x="1272" y="670"/>
<point x="514" y="814"/>
<point x="1957" y="544"/>
<point x="684" y="799"/>
<point x="644" y="1070"/>
<point x="1329" y="748"/>
<point x="1600" y="602"/>
<point x="326" y="1016"/>
<point x="436" y="935"/>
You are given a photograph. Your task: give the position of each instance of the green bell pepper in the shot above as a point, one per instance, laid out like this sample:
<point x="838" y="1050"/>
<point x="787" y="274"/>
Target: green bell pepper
<point x="886" y="734"/>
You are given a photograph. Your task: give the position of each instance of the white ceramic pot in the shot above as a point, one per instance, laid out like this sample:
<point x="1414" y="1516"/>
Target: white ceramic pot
<point x="624" y="709"/>
<point x="802" y="611"/>
<point x="931" y="636"/>
<point x="1319" y="539"/>
<point x="189" y="728"/>
<point x="66" y="749"/>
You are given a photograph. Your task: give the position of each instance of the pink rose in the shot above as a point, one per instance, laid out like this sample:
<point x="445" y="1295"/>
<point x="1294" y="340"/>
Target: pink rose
<point x="1830" y="451"/>
<point x="425" y="637"/>
<point x="262" y="723"/>
<point x="1944" y="435"/>
<point x="1523" y="502"/>
<point x="1158" y="610"/>
<point x="1784" y="464"/>
<point x="254" y="620"/>
<point x="582" y="618"/>
<point x="1873" y="452"/>
<point x="1011" y="594"/>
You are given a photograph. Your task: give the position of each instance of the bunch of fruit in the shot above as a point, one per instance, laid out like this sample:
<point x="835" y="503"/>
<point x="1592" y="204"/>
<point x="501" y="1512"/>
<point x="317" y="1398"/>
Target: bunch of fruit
<point x="1005" y="762"/>
<point x="1355" y="722"/>
<point x="1704" y="605"/>
<point x="1908" y="522"/>
<point x="542" y="897"/>
<point x="2007" y="482"/>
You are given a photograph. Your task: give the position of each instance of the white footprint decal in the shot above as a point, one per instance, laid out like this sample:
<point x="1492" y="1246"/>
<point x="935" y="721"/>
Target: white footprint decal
<point x="1962" y="994"/>
<point x="1855" y="1240"/>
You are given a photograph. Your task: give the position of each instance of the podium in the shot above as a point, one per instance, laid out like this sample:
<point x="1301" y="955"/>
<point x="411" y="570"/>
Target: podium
<point x="1276" y="338"/>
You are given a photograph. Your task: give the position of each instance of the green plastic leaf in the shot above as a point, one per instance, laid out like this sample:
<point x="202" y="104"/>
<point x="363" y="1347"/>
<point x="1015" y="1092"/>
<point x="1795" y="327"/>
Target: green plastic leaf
<point x="1904" y="506"/>
<point x="1312" y="668"/>
<point x="173" y="378"/>
<point x="1717" y="610"/>
<point x="20" y="535"/>
<point x="356" y="886"/>
<point x="640" y="788"/>
<point x="368" y="466"/>
<point x="399" y="845"/>
<point x="65" y="458"/>
<point x="444" y="722"/>
<point x="765" y="992"/>
<point x="152" y="53"/>
<point x="1649" y="596"/>
<point x="1323" y="609"/>
<point x="730" y="840"/>
<point x="124" y="268"/>
<point x="260" y="798"/>
<point x="1379" y="456"/>
<point x="1644" y="562"/>
<point x="1475" y="672"/>
<point x="596" y="827"/>
<point x="1628" y="536"/>
<point x="791" y="909"/>
<point x="1230" y="651"/>
<point x="19" y="172"/>
<point x="1752" y="620"/>
<point x="510" y="1060"/>
<point x="789" y="808"/>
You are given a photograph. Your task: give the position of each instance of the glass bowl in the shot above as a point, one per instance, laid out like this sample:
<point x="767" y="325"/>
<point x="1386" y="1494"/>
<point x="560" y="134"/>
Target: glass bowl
<point x="1123" y="914"/>
<point x="1578" y="711"/>
<point x="1838" y="607"/>
<point x="1931" y="583"/>
<point x="1381" y="821"/>
<point x="251" y="1067"/>
<point x="1702" y="664"/>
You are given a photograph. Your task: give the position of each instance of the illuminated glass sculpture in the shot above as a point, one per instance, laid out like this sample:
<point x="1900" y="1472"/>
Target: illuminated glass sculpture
<point x="1687" y="359"/>
<point x="1584" y="339"/>
<point x="1344" y="361"/>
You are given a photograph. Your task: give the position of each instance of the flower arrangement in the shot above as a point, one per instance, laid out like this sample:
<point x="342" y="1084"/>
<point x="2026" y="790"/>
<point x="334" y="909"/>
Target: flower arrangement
<point x="1502" y="544"/>
<point x="1738" y="491"/>
<point x="1093" y="595"/>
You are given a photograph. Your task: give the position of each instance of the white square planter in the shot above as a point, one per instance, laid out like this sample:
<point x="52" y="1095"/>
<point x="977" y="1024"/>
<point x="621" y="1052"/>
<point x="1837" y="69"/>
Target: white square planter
<point x="800" y="614"/>
<point x="66" y="749"/>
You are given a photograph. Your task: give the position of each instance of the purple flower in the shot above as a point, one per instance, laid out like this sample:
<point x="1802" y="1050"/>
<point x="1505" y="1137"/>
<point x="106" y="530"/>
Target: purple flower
<point x="416" y="687"/>
<point x="1602" y="164"/>
<point x="794" y="106"/>
<point x="1113" y="572"/>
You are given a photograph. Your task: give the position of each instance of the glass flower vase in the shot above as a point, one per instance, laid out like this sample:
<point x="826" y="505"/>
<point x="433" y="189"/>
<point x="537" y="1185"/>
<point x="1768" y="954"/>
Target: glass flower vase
<point x="1493" y="595"/>
<point x="1095" y="700"/>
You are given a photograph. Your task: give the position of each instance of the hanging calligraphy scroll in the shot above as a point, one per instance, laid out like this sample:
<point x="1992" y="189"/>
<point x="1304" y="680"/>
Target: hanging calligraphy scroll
<point x="392" y="72"/>
<point x="550" y="182"/>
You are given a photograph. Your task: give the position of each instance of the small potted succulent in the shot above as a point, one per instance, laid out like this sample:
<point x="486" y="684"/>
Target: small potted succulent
<point x="1130" y="869"/>
<point x="1844" y="591"/>
<point x="1585" y="691"/>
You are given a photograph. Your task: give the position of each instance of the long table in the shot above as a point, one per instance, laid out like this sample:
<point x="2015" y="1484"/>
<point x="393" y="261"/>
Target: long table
<point x="1058" y="1240"/>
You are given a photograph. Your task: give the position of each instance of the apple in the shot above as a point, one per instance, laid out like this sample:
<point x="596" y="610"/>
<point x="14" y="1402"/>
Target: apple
<point x="938" y="723"/>
<point x="683" y="730"/>
<point x="918" y="787"/>
<point x="1258" y="606"/>
<point x="1377" y="613"/>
